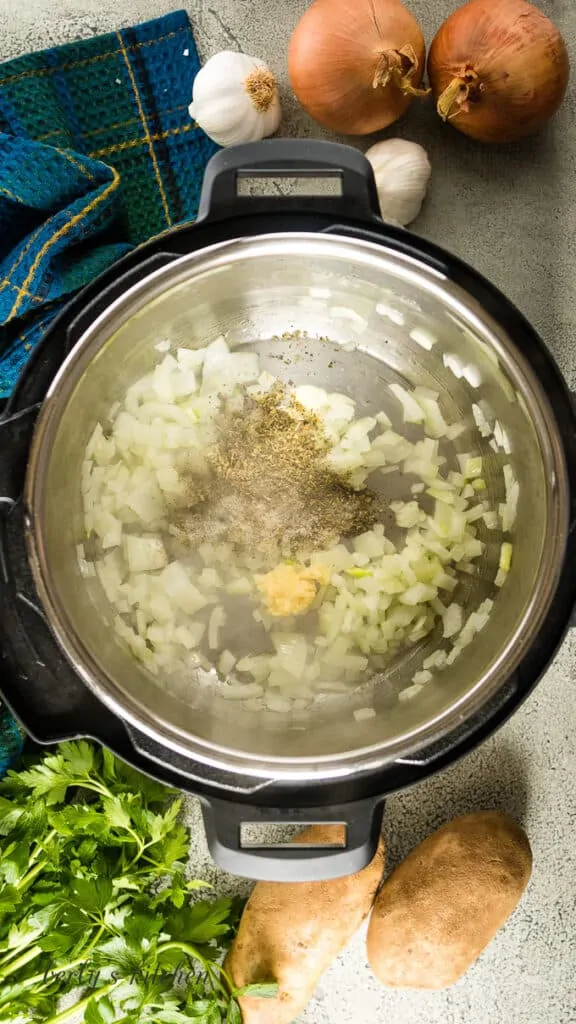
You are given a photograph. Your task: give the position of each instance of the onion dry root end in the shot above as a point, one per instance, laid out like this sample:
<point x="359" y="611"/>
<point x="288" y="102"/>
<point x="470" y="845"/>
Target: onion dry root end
<point x="456" y="98"/>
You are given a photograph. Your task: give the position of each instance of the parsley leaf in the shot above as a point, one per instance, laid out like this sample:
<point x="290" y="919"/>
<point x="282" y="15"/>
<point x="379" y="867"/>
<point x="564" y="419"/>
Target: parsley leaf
<point x="94" y="897"/>
<point x="116" y="813"/>
<point x="78" y="756"/>
<point x="202" y="922"/>
<point x="100" y="1011"/>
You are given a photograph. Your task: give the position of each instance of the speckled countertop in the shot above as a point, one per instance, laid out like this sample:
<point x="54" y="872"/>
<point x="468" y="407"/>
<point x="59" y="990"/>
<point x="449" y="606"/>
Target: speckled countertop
<point x="512" y="214"/>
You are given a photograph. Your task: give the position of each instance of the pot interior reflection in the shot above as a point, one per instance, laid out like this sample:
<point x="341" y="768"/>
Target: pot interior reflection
<point x="349" y="317"/>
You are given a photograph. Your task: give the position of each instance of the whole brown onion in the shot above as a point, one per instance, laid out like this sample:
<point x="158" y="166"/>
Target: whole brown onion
<point x="356" y="65"/>
<point x="499" y="69"/>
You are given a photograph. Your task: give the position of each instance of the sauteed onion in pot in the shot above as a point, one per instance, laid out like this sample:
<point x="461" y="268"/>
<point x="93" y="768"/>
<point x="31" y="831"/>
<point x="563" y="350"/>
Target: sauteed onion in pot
<point x="240" y="527"/>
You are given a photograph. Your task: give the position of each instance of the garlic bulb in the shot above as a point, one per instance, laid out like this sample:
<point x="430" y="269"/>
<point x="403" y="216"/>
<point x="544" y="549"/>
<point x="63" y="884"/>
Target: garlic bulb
<point x="402" y="172"/>
<point x="235" y="99"/>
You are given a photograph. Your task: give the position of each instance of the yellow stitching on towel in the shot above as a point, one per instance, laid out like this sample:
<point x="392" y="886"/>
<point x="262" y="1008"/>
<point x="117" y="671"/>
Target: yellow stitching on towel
<point x="76" y="163"/>
<point x="59" y="234"/>
<point x="8" y="284"/>
<point x="146" y="131"/>
<point x="12" y="195"/>
<point x="23" y="252"/>
<point x="89" y="60"/>
<point x="110" y="127"/>
<point x="141" y="142"/>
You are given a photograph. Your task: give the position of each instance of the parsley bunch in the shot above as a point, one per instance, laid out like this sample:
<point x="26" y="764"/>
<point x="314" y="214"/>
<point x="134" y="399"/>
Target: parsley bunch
<point x="95" y="904"/>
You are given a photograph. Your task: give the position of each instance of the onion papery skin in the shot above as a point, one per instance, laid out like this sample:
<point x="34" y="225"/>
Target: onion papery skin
<point x="498" y="69"/>
<point x="356" y="65"/>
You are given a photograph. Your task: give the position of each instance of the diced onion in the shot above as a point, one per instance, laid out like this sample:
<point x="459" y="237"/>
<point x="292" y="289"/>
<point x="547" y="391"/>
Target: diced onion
<point x="435" y="424"/>
<point x="242" y="691"/>
<point x="217" y="620"/>
<point x="391" y="314"/>
<point x="363" y="714"/>
<point x="410" y="692"/>
<point x="420" y="678"/>
<point x="226" y="663"/>
<point x="452" y="363"/>
<point x="144" y="554"/>
<point x="503" y="564"/>
<point x="452" y="622"/>
<point x="412" y="410"/>
<point x="382" y="587"/>
<point x="176" y="584"/>
<point x="424" y="338"/>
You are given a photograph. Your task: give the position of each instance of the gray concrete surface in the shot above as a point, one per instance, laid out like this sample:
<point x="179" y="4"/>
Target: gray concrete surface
<point x="512" y="214"/>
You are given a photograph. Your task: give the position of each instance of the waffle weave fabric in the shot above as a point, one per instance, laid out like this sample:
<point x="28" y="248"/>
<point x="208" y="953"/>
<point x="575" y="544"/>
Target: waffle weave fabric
<point x="97" y="155"/>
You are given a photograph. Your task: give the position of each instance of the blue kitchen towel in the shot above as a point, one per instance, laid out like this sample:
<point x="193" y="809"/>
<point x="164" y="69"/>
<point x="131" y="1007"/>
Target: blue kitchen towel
<point x="11" y="740"/>
<point x="97" y="154"/>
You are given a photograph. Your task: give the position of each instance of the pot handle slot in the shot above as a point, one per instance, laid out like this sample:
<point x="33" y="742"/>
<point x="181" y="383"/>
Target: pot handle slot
<point x="292" y="862"/>
<point x="355" y="189"/>
<point x="101" y="302"/>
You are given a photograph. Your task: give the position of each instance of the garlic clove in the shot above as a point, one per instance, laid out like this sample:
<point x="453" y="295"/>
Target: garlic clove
<point x="235" y="99"/>
<point x="402" y="172"/>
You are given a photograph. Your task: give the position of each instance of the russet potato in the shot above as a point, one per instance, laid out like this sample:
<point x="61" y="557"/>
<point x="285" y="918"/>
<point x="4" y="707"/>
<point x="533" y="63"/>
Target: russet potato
<point x="441" y="907"/>
<point x="291" y="932"/>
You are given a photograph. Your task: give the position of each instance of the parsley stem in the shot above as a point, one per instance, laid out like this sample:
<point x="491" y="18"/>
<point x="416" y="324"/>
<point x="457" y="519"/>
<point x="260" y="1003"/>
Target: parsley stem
<point x="25" y="958"/>
<point x="93" y="942"/>
<point x="9" y="956"/>
<point x="141" y="848"/>
<point x="35" y="870"/>
<point x="79" y="1007"/>
<point x="13" y="953"/>
<point x="40" y="848"/>
<point x="48" y="975"/>
<point x="140" y="845"/>
<point x="185" y="947"/>
<point x="29" y="877"/>
<point x="209" y="966"/>
<point x="96" y="787"/>
<point x="227" y="978"/>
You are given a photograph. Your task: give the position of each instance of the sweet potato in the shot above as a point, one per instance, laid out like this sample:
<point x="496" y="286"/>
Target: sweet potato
<point x="442" y="906"/>
<point x="291" y="932"/>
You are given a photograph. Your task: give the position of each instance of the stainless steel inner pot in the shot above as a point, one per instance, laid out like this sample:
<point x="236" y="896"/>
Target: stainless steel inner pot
<point x="341" y="312"/>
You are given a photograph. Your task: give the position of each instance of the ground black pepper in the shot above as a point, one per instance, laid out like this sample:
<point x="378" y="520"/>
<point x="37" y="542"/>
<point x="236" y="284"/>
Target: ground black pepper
<point x="266" y="486"/>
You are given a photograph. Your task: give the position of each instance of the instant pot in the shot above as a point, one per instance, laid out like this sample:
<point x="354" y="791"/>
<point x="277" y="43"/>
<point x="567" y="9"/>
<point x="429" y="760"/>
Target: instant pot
<point x="374" y="304"/>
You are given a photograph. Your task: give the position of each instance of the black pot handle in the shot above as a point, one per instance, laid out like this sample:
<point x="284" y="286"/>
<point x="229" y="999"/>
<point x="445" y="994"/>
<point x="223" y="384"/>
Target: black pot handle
<point x="292" y="862"/>
<point x="289" y="158"/>
<point x="119" y="286"/>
